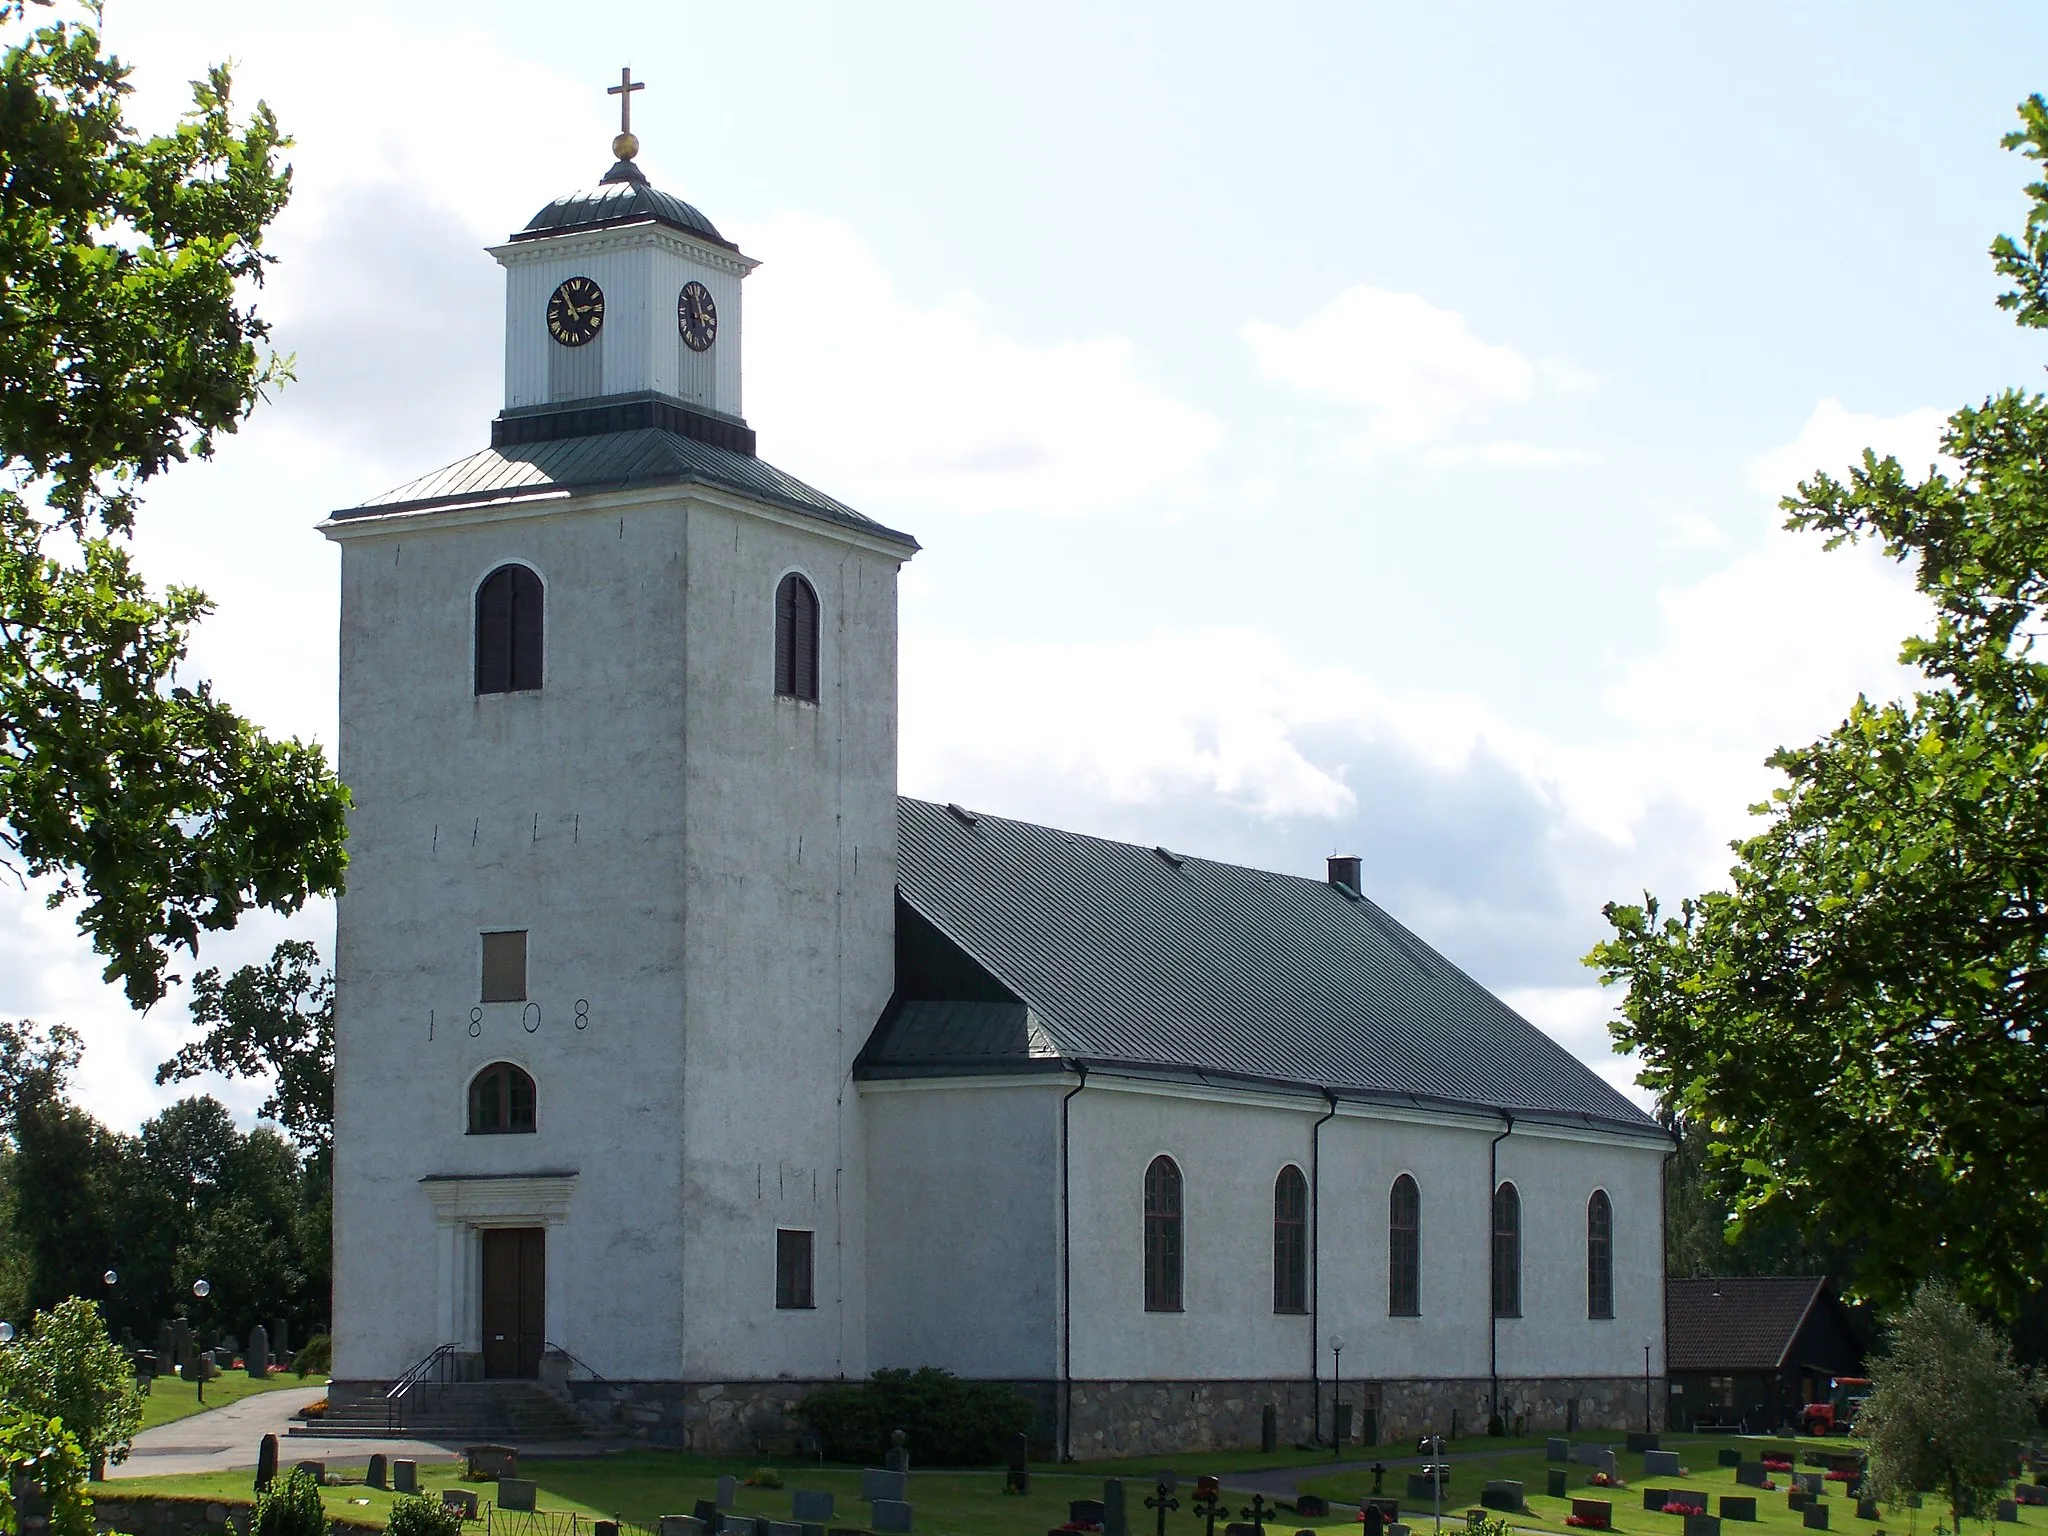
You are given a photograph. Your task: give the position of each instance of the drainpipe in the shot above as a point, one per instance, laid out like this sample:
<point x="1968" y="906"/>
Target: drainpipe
<point x="1315" y="1275"/>
<point x="1067" y="1278"/>
<point x="1493" y="1312"/>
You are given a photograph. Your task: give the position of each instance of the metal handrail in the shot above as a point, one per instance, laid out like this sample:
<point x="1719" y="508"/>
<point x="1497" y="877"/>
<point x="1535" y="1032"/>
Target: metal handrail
<point x="548" y="1344"/>
<point x="432" y="1363"/>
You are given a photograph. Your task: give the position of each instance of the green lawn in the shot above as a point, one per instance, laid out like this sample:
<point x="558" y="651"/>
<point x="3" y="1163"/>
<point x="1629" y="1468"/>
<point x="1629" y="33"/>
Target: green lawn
<point x="171" y="1399"/>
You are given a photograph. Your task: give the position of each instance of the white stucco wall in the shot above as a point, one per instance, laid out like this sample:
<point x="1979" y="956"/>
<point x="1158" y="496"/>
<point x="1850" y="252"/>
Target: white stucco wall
<point x="708" y="866"/>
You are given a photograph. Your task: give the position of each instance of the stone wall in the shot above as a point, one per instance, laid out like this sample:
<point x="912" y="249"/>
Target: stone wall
<point x="148" y="1516"/>
<point x="715" y="1416"/>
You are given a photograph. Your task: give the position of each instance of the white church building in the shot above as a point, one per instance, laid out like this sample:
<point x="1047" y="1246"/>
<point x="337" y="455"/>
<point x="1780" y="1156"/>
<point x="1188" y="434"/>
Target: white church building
<point x="682" y="1065"/>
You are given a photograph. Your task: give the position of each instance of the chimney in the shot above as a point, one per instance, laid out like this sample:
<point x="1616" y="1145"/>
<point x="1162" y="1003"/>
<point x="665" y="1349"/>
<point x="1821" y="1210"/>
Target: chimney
<point x="1344" y="871"/>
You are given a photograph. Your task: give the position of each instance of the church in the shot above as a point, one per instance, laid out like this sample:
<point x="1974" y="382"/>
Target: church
<point x="682" y="1065"/>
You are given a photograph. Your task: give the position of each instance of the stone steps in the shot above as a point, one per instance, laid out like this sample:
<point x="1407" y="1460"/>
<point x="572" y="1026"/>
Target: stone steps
<point x="477" y="1411"/>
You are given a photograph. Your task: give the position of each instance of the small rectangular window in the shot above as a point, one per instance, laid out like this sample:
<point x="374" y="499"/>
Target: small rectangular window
<point x="793" y="1271"/>
<point x="505" y="967"/>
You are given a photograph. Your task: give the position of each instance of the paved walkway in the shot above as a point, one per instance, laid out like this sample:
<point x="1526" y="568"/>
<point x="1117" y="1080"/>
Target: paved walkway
<point x="225" y="1439"/>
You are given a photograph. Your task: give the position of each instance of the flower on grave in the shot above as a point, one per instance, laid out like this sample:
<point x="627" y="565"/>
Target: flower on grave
<point x="1581" y="1521"/>
<point x="1768" y="1485"/>
<point x="1676" y="1508"/>
<point x="1777" y="1464"/>
<point x="1839" y="1476"/>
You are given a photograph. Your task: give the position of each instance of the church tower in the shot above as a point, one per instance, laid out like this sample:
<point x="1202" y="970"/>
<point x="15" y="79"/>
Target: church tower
<point x="618" y="714"/>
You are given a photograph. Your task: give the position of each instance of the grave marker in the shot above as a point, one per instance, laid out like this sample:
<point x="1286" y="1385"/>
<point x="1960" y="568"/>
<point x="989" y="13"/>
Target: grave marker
<point x="1557" y="1450"/>
<point x="2008" y="1510"/>
<point x="517" y="1493"/>
<point x="1556" y="1481"/>
<point x="1084" y="1512"/>
<point x="1638" y="1440"/>
<point x="1597" y="1514"/>
<point x="405" y="1475"/>
<point x="317" y="1468"/>
<point x="1702" y="1525"/>
<point x="729" y="1491"/>
<point x="461" y="1500"/>
<point x="1660" y="1464"/>
<point x="487" y="1462"/>
<point x="898" y="1459"/>
<point x="809" y="1506"/>
<point x="882" y="1483"/>
<point x="374" y="1475"/>
<point x="2030" y="1493"/>
<point x="1752" y="1474"/>
<point x="680" y="1525"/>
<point x="1866" y="1509"/>
<point x="1018" y="1478"/>
<point x="1730" y="1457"/>
<point x="891" y="1516"/>
<point x="1656" y="1498"/>
<point x="266" y="1461"/>
<point x="1115" y="1520"/>
<point x="1502" y="1494"/>
<point x="256" y="1358"/>
<point x="1737" y="1507"/>
<point x="1815" y="1517"/>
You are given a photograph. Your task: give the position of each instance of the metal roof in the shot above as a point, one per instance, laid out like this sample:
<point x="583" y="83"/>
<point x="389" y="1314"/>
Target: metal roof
<point x="1737" y="1323"/>
<point x="1131" y="957"/>
<point x="614" y="461"/>
<point x="622" y="197"/>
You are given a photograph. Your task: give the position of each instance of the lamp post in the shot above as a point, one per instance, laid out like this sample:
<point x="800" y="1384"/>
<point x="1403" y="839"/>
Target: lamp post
<point x="203" y="1289"/>
<point x="1647" y="1341"/>
<point x="1336" y="1394"/>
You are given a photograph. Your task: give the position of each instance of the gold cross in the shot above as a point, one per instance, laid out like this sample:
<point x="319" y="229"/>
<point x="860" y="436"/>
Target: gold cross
<point x="624" y="91"/>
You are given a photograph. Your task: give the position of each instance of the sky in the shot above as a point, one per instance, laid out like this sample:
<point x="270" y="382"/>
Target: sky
<point x="1331" y="428"/>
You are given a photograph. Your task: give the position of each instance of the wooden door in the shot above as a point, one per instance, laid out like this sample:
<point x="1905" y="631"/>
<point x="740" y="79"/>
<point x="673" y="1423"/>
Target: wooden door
<point x="515" y="1296"/>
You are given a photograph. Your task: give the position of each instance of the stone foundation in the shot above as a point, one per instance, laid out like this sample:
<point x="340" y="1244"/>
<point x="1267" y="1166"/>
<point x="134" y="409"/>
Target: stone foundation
<point x="151" y="1516"/>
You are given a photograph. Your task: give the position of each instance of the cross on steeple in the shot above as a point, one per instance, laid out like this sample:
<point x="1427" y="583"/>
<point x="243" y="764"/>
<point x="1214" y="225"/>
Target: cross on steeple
<point x="624" y="91"/>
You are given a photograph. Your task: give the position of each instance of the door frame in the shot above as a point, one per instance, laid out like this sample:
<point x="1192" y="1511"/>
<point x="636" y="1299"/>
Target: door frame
<point x="464" y="1205"/>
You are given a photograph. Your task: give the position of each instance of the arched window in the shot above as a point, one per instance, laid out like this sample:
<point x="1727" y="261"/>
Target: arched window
<point x="1290" y="1241"/>
<point x="508" y="631"/>
<point x="1599" y="1255"/>
<point x="1507" y="1252"/>
<point x="1404" y="1249"/>
<point x="796" y="639"/>
<point x="500" y="1100"/>
<point x="1162" y="1236"/>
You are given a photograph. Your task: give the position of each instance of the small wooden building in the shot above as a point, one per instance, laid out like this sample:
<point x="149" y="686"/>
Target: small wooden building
<point x="1750" y="1351"/>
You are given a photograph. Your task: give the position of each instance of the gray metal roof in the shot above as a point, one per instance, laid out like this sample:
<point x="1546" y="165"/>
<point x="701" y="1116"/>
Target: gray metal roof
<point x="613" y="461"/>
<point x="1129" y="957"/>
<point x="622" y="197"/>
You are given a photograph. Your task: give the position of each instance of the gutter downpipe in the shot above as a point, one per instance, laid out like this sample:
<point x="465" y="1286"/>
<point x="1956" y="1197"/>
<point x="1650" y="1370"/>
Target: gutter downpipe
<point x="1067" y="1277"/>
<point x="1315" y="1273"/>
<point x="1493" y="1312"/>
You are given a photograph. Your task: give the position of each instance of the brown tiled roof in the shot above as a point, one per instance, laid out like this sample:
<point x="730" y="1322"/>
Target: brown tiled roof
<point x="1745" y="1324"/>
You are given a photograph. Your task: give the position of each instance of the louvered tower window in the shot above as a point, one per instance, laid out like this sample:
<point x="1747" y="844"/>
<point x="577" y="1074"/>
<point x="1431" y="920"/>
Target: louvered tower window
<point x="1290" y="1241"/>
<point x="508" y="631"/>
<point x="1599" y="1255"/>
<point x="1507" y="1252"/>
<point x="1404" y="1249"/>
<point x="796" y="639"/>
<point x="1162" y="1236"/>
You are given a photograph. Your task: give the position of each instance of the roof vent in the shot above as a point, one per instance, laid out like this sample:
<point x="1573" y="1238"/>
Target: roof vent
<point x="967" y="818"/>
<point x="1175" y="859"/>
<point x="1344" y="869"/>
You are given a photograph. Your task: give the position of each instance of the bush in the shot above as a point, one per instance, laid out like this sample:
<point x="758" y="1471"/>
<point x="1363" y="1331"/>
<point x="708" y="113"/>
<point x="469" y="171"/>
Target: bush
<point x="316" y="1354"/>
<point x="946" y="1422"/>
<point x="67" y="1368"/>
<point x="415" y="1516"/>
<point x="39" y="1451"/>
<point x="290" y="1506"/>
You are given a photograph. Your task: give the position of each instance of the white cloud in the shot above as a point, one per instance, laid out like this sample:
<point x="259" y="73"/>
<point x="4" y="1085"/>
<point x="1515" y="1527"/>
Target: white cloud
<point x="1415" y="373"/>
<point x="895" y="403"/>
<point x="1576" y="1017"/>
<point x="1833" y="439"/>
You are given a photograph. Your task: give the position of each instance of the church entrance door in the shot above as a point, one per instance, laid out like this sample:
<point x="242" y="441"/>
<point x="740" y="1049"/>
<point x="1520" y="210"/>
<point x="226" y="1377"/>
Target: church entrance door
<point x="515" y="1292"/>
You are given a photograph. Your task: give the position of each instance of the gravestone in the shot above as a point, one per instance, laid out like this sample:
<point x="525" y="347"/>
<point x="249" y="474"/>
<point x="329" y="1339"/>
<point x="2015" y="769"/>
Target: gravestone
<point x="1313" y="1506"/>
<point x="1815" y="1483"/>
<point x="1610" y="1465"/>
<point x="1557" y="1450"/>
<point x="1388" y="1510"/>
<point x="1420" y="1487"/>
<point x="1691" y="1498"/>
<point x="604" y="1528"/>
<point x="1702" y="1525"/>
<point x="489" y="1462"/>
<point x="890" y="1516"/>
<point x="1656" y="1498"/>
<point x="1084" y="1512"/>
<point x="166" y="1355"/>
<point x="738" y="1525"/>
<point x="2008" y="1509"/>
<point x="2030" y="1493"/>
<point x="898" y="1459"/>
<point x="1798" y="1498"/>
<point x="266" y="1461"/>
<point x="1815" y="1517"/>
<point x="376" y="1473"/>
<point x="256" y="1358"/>
<point x="705" y="1512"/>
<point x="517" y="1493"/>
<point x="1594" y="1514"/>
<point x="780" y="1528"/>
<point x="182" y="1352"/>
<point x="1660" y="1464"/>
<point x="1640" y="1440"/>
<point x="461" y="1500"/>
<point x="808" y="1506"/>
<point x="1866" y="1509"/>
<point x="1738" y="1507"/>
<point x="1730" y="1457"/>
<point x="1502" y="1493"/>
<point x="679" y="1525"/>
<point x="1018" y="1478"/>
<point x="1396" y="1530"/>
<point x="729" y="1491"/>
<point x="1115" y="1521"/>
<point x="405" y="1475"/>
<point x="882" y="1483"/>
<point x="1752" y="1474"/>
<point x="1269" y="1428"/>
<point x="1556" y="1481"/>
<point x="317" y="1468"/>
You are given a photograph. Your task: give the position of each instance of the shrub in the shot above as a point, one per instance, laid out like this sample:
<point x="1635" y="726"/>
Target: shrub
<point x="764" y="1477"/>
<point x="316" y="1354"/>
<point x="40" y="1451"/>
<point x="67" y="1368"/>
<point x="946" y="1421"/>
<point x="415" y="1516"/>
<point x="290" y="1506"/>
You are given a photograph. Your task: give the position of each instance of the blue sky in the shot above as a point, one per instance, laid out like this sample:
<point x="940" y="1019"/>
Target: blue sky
<point x="1332" y="428"/>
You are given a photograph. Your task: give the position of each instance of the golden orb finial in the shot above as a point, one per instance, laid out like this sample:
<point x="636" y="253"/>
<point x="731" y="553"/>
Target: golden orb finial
<point x="626" y="145"/>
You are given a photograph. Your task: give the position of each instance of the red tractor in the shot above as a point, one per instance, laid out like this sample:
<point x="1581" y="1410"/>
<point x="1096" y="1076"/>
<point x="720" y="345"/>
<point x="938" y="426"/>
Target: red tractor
<point x="1837" y="1415"/>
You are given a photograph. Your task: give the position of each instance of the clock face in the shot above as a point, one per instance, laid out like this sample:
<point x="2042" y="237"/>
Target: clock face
<point x="697" y="317"/>
<point x="575" y="311"/>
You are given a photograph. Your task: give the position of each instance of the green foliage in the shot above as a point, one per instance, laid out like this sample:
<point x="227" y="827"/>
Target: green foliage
<point x="67" y="1368"/>
<point x="38" y="1448"/>
<point x="274" y="1021"/>
<point x="1947" y="1411"/>
<point x="290" y="1506"/>
<point x="315" y="1357"/>
<point x="415" y="1516"/>
<point x="1860" y="1023"/>
<point x="946" y="1422"/>
<point x="127" y="343"/>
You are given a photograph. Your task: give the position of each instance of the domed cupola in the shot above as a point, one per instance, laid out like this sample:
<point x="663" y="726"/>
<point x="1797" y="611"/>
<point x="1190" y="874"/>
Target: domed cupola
<point x="622" y="312"/>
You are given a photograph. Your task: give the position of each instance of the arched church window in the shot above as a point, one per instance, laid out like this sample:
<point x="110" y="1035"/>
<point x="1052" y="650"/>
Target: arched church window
<point x="1162" y="1236"/>
<point x="796" y="639"/>
<point x="1404" y="1249"/>
<point x="1507" y="1252"/>
<point x="1290" y="1241"/>
<point x="500" y="1100"/>
<point x="1599" y="1255"/>
<point x="508" y="631"/>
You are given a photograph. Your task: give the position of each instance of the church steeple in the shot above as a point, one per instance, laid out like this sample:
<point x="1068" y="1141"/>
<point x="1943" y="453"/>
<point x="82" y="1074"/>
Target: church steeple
<point x="622" y="310"/>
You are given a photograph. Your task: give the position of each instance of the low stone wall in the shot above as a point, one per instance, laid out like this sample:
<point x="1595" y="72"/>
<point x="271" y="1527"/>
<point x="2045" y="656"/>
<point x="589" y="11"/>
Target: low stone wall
<point x="715" y="1416"/>
<point x="153" y="1516"/>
